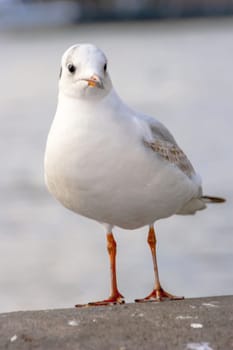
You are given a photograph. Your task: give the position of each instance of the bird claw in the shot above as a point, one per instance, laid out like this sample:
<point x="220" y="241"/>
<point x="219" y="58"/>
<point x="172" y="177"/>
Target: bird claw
<point x="112" y="300"/>
<point x="158" y="295"/>
<point x="107" y="302"/>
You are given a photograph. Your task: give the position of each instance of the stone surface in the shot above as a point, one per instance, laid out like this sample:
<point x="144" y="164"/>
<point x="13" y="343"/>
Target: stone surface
<point x="195" y="324"/>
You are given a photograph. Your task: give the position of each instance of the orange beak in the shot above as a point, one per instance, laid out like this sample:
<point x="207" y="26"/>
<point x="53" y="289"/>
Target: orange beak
<point x="95" y="81"/>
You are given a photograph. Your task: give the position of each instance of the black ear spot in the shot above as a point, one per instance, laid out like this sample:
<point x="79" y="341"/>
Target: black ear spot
<point x="60" y="73"/>
<point x="71" y="68"/>
<point x="105" y="67"/>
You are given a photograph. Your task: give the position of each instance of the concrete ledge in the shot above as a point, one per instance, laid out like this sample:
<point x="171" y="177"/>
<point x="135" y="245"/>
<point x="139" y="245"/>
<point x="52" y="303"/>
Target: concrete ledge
<point x="195" y="324"/>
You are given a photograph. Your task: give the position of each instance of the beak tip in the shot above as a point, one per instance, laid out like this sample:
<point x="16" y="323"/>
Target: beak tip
<point x="95" y="81"/>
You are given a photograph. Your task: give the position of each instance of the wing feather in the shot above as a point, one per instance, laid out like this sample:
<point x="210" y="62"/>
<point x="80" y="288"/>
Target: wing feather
<point x="173" y="154"/>
<point x="164" y="144"/>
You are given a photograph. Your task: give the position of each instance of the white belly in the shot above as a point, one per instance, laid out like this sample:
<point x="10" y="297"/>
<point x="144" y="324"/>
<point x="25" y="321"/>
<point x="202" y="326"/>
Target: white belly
<point x="112" y="178"/>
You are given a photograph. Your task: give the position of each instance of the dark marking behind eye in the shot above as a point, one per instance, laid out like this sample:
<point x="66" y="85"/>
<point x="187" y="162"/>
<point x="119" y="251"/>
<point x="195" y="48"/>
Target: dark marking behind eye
<point x="105" y="67"/>
<point x="60" y="73"/>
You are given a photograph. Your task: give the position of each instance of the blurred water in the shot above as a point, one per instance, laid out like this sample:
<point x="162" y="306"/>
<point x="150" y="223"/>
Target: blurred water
<point x="179" y="71"/>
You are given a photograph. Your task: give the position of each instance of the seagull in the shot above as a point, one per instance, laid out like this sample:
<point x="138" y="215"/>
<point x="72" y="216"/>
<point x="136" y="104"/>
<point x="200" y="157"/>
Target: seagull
<point x="117" y="166"/>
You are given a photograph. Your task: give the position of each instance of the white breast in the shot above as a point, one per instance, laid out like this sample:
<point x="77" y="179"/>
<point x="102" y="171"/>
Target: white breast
<point x="96" y="165"/>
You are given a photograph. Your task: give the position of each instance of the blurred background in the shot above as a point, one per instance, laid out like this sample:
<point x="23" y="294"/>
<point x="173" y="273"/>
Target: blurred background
<point x="168" y="58"/>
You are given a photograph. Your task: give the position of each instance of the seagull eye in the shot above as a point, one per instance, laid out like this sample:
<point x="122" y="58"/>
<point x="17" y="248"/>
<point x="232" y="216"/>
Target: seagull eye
<point x="105" y="67"/>
<point x="71" y="68"/>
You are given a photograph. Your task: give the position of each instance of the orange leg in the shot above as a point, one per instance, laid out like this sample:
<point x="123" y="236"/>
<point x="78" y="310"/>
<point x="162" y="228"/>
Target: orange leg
<point x="115" y="296"/>
<point x="158" y="293"/>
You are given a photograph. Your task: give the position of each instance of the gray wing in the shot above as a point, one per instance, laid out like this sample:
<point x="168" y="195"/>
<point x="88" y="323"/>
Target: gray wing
<point x="166" y="147"/>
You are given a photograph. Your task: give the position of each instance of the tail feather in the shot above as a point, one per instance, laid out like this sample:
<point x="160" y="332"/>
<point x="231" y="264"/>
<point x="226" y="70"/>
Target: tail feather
<point x="211" y="199"/>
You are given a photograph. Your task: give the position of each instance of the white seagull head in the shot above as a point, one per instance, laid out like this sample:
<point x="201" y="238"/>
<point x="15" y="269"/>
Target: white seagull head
<point x="84" y="73"/>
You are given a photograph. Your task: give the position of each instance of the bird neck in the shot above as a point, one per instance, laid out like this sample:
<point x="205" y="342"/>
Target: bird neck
<point x="110" y="101"/>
